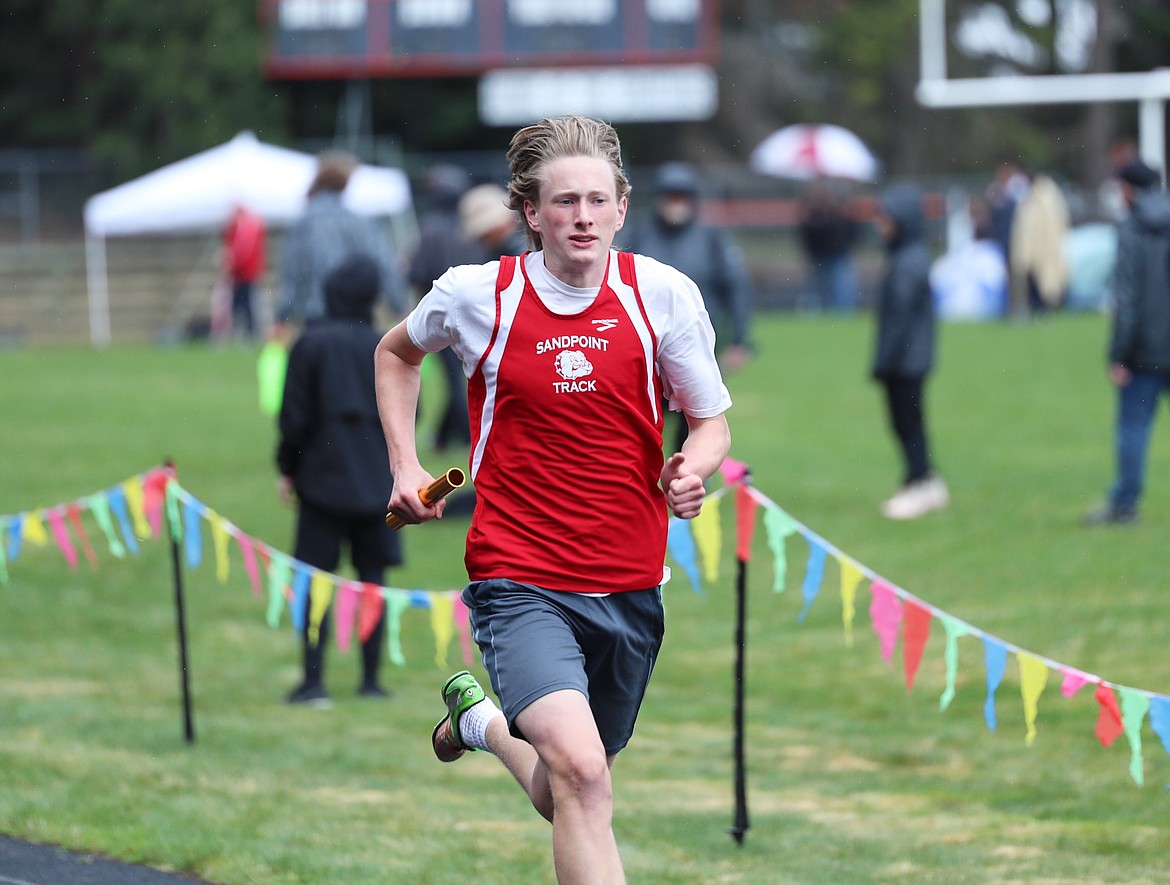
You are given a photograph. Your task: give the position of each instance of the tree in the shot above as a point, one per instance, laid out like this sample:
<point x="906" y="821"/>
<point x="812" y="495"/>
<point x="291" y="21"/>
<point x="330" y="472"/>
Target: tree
<point x="141" y="84"/>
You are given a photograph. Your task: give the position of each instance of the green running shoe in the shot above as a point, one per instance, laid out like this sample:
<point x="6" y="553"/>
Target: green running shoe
<point x="460" y="694"/>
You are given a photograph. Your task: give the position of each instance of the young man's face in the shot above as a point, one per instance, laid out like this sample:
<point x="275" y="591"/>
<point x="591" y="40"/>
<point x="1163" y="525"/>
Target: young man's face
<point x="577" y="215"/>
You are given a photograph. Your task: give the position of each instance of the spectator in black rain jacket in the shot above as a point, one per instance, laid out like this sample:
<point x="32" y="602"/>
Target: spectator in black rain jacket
<point x="332" y="454"/>
<point x="904" y="354"/>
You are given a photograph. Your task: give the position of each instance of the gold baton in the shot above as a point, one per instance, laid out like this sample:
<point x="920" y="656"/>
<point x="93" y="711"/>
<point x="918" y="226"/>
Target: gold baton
<point x="436" y="491"/>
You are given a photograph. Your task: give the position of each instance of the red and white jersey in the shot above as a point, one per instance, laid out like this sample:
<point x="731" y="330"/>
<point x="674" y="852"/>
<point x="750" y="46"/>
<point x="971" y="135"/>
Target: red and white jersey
<point x="565" y="391"/>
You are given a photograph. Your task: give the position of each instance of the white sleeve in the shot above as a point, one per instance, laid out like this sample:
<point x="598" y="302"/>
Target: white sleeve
<point x="690" y="373"/>
<point x="458" y="312"/>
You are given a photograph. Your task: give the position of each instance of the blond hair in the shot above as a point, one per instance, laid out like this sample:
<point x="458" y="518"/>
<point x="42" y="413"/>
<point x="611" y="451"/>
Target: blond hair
<point x="556" y="138"/>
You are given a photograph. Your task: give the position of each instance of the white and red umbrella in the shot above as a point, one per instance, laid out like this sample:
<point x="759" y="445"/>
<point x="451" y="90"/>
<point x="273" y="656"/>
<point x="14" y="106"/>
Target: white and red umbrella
<point x="807" y="150"/>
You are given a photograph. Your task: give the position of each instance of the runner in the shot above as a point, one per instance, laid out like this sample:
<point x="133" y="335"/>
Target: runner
<point x="569" y="351"/>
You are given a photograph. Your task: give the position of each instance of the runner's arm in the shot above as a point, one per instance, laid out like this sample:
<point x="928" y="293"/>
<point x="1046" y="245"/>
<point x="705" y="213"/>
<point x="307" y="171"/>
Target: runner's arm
<point x="397" y="380"/>
<point x="707" y="443"/>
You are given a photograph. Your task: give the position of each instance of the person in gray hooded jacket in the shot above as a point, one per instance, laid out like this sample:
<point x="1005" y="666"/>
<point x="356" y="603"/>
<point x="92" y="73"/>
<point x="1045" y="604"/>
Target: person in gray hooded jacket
<point x="1139" y="346"/>
<point x="904" y="352"/>
<point x="322" y="238"/>
<point x="708" y="256"/>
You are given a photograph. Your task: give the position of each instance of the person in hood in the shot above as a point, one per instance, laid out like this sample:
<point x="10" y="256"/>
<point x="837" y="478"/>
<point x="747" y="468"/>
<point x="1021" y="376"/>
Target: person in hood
<point x="675" y="235"/>
<point x="1139" y="346"/>
<point x="334" y="467"/>
<point x="904" y="352"/>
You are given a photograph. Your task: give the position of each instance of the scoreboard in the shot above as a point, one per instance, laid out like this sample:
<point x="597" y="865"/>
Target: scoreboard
<point x="314" y="39"/>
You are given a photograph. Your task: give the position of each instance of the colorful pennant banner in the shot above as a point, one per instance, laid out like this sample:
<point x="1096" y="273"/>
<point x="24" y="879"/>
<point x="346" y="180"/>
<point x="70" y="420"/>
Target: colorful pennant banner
<point x="133" y="511"/>
<point x="897" y="614"/>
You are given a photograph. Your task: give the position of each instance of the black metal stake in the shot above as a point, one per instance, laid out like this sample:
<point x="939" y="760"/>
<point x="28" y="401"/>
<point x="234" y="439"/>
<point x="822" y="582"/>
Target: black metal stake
<point x="181" y="622"/>
<point x="740" y="827"/>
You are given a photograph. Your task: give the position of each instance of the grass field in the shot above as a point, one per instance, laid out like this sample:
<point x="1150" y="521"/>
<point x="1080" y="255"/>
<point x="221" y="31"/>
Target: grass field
<point x="852" y="779"/>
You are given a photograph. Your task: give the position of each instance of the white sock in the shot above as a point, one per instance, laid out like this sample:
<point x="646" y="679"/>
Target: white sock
<point x="473" y="724"/>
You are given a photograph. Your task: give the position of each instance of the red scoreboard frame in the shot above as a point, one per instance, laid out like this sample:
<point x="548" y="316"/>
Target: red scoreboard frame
<point x="347" y="39"/>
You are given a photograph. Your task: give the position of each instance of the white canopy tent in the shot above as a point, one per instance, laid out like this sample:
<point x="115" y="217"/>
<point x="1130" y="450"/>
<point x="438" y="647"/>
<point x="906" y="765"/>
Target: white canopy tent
<point x="200" y="193"/>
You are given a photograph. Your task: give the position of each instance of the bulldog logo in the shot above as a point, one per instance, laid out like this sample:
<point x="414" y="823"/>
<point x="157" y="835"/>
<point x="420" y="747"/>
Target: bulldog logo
<point x="572" y="364"/>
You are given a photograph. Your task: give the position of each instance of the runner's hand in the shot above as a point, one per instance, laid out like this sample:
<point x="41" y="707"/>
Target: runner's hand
<point x="405" y="501"/>
<point x="684" y="489"/>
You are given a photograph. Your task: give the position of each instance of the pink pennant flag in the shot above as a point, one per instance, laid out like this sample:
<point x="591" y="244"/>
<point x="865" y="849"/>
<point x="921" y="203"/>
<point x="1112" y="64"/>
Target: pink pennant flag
<point x="1074" y="680"/>
<point x="61" y="536"/>
<point x="462" y="617"/>
<point x="1109" y="724"/>
<point x="745" y="523"/>
<point x="73" y="513"/>
<point x="915" y="632"/>
<point x="886" y="613"/>
<point x="347" y="604"/>
<point x="733" y="471"/>
<point x="371" y="604"/>
<point x="249" y="554"/>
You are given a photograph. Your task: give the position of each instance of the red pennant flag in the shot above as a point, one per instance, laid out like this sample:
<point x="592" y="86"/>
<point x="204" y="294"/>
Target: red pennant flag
<point x="73" y="512"/>
<point x="915" y="630"/>
<point x="745" y="522"/>
<point x="370" y="610"/>
<point x="154" y="492"/>
<point x="1109" y="724"/>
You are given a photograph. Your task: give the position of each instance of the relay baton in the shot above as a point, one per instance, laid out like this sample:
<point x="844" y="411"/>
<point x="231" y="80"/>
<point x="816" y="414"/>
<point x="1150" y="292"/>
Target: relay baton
<point x="436" y="491"/>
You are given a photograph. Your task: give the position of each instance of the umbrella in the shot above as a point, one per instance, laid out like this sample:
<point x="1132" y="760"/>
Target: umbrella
<point x="807" y="150"/>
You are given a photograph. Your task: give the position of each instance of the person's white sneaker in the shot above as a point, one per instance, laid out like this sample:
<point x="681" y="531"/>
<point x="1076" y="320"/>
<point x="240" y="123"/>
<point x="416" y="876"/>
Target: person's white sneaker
<point x="937" y="494"/>
<point x="917" y="499"/>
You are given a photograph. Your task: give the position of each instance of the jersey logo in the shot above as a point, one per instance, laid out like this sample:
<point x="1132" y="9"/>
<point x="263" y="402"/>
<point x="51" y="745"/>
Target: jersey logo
<point x="572" y="364"/>
<point x="605" y="325"/>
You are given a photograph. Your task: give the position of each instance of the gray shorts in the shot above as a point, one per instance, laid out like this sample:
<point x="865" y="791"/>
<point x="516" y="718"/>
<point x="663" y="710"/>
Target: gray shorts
<point x="536" y="641"/>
